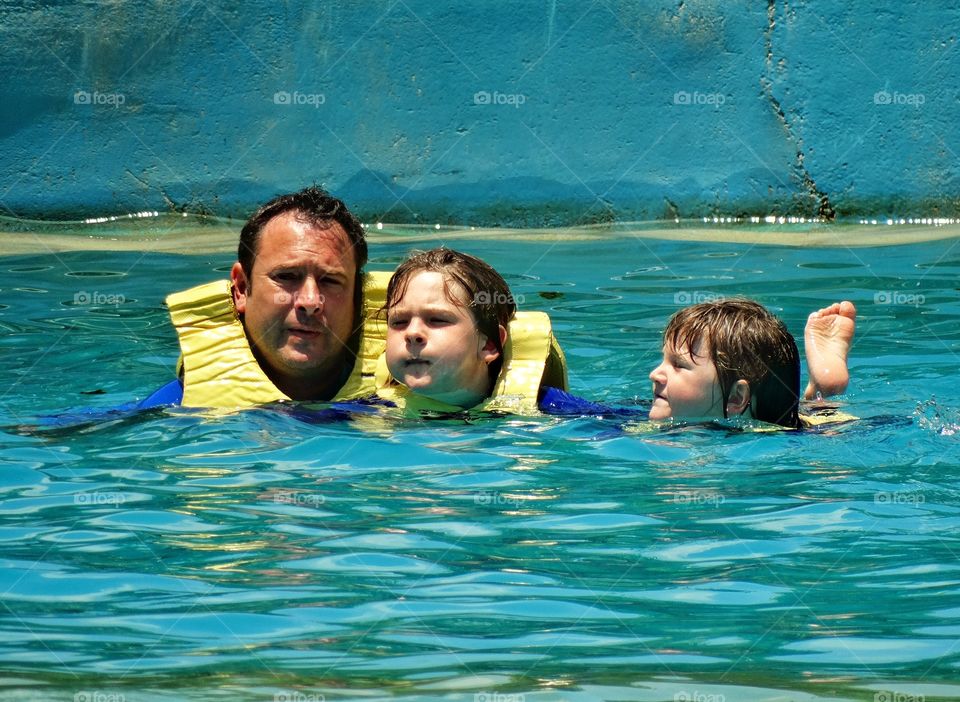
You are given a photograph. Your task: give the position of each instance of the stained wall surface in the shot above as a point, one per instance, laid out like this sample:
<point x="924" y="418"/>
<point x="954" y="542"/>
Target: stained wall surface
<point x="479" y="112"/>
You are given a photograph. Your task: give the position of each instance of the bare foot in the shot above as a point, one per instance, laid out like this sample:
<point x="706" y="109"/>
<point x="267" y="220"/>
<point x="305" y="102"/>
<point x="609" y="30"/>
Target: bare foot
<point x="827" y="338"/>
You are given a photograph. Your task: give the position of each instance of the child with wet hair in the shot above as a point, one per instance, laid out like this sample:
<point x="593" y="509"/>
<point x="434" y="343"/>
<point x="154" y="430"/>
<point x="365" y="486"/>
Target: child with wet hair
<point x="733" y="357"/>
<point x="447" y="318"/>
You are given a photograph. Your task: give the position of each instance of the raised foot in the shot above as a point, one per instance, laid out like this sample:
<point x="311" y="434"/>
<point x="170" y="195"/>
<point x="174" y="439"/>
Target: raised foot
<point x="827" y="339"/>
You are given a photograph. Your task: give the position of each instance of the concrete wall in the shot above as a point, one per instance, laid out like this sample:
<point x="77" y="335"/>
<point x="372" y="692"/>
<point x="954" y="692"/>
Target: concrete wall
<point x="482" y="111"/>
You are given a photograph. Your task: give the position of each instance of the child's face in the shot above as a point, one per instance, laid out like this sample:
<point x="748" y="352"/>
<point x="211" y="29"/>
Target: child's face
<point x="686" y="385"/>
<point x="433" y="345"/>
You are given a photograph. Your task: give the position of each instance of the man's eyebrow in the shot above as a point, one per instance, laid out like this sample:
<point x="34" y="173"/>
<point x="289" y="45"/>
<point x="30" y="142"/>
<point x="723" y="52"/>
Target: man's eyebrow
<point x="301" y="266"/>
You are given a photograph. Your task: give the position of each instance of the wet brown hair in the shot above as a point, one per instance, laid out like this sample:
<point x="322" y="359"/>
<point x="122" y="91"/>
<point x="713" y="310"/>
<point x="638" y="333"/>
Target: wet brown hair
<point x="746" y="341"/>
<point x="489" y="298"/>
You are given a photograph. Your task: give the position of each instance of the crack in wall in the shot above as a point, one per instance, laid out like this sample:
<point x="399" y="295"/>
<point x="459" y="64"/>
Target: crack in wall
<point x="821" y="199"/>
<point x="163" y="193"/>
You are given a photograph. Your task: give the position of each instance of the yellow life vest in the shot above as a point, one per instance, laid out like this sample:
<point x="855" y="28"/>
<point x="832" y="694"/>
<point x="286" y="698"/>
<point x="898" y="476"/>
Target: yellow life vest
<point x="820" y="416"/>
<point x="532" y="359"/>
<point x="220" y="370"/>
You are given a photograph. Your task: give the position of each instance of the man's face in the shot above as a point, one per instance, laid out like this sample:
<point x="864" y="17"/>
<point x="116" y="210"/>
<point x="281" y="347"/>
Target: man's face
<point x="297" y="303"/>
<point x="686" y="385"/>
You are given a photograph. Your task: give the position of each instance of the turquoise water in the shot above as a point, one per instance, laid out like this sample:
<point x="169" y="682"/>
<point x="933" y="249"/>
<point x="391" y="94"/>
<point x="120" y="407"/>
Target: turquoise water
<point x="252" y="555"/>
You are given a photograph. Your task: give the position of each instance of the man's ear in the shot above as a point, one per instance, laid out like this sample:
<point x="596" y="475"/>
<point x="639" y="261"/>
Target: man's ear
<point x="738" y="401"/>
<point x="240" y="287"/>
<point x="489" y="352"/>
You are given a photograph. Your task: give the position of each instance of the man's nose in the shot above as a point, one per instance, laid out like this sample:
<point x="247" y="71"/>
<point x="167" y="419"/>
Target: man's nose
<point x="309" y="298"/>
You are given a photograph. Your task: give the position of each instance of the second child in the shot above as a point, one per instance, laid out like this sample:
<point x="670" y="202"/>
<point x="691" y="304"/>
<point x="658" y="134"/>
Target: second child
<point x="733" y="358"/>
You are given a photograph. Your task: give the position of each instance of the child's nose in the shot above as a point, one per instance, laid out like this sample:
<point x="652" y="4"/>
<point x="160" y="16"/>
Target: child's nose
<point x="415" y="332"/>
<point x="657" y="375"/>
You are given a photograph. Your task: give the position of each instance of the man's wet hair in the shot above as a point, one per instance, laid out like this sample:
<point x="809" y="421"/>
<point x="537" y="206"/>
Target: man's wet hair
<point x="314" y="206"/>
<point x="745" y="341"/>
<point x="488" y="296"/>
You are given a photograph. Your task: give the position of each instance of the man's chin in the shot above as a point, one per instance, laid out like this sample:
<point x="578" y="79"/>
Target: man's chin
<point x="310" y="359"/>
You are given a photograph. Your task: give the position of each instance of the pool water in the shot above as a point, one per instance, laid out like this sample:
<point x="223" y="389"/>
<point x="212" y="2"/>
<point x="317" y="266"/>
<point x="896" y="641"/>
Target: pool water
<point x="182" y="554"/>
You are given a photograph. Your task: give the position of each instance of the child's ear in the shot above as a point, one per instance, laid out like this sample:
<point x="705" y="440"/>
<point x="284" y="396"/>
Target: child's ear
<point x="738" y="401"/>
<point x="489" y="352"/>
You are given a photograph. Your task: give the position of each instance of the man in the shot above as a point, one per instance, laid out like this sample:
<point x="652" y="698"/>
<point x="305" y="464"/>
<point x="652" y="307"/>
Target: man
<point x="292" y="323"/>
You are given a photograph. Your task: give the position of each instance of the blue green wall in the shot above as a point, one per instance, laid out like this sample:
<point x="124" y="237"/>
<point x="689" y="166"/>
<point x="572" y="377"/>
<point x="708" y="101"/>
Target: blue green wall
<point x="481" y="112"/>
